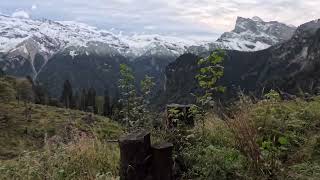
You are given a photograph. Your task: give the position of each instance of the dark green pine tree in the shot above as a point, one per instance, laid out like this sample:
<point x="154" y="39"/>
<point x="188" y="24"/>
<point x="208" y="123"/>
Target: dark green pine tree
<point x="77" y="100"/>
<point x="92" y="100"/>
<point x="67" y="94"/>
<point x="41" y="92"/>
<point x="116" y="106"/>
<point x="83" y="100"/>
<point x="107" y="111"/>
<point x="1" y="73"/>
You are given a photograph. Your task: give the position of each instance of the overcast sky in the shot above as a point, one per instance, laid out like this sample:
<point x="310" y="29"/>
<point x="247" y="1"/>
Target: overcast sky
<point x="192" y="18"/>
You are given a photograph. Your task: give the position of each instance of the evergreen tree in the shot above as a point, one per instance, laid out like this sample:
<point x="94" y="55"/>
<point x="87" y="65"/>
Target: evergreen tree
<point x="91" y="99"/>
<point x="25" y="91"/>
<point x="83" y="100"/>
<point x="100" y="104"/>
<point x="107" y="111"/>
<point x="41" y="94"/>
<point x="116" y="106"/>
<point x="7" y="92"/>
<point x="1" y="73"/>
<point x="67" y="94"/>
<point x="77" y="100"/>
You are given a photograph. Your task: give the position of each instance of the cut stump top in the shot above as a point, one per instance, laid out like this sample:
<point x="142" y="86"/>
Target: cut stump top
<point x="135" y="136"/>
<point x="162" y="146"/>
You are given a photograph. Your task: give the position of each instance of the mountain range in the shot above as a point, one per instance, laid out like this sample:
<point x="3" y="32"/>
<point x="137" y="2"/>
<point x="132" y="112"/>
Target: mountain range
<point x="291" y="67"/>
<point x="51" y="51"/>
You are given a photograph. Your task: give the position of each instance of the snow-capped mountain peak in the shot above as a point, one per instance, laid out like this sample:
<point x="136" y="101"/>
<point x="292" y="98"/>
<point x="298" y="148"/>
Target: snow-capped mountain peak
<point x="51" y="37"/>
<point x="249" y="35"/>
<point x="256" y="18"/>
<point x="255" y="34"/>
<point x="157" y="44"/>
<point x="24" y="39"/>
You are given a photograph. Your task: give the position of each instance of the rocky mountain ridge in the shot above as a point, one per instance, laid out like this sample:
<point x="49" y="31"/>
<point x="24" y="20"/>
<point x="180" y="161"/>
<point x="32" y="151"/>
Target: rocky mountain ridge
<point x="23" y="39"/>
<point x="249" y="35"/>
<point x="290" y="67"/>
<point x="52" y="52"/>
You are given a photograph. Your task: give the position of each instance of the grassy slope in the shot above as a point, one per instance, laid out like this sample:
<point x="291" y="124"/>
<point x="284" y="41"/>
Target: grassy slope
<point x="216" y="155"/>
<point x="18" y="135"/>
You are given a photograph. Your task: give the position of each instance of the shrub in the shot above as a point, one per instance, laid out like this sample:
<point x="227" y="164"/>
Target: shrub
<point x="274" y="134"/>
<point x="208" y="153"/>
<point x="213" y="162"/>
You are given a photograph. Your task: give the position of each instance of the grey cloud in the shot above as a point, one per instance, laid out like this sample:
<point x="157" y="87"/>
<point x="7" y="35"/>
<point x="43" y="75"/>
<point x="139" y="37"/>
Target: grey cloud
<point x="181" y="17"/>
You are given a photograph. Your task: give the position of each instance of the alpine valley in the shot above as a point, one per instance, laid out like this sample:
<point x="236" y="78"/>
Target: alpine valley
<point x="50" y="51"/>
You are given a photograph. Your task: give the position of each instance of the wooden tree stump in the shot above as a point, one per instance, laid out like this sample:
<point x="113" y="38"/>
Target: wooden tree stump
<point x="135" y="151"/>
<point x="162" y="162"/>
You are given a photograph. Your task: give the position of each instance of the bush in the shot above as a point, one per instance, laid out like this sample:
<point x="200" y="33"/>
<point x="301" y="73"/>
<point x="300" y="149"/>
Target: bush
<point x="282" y="131"/>
<point x="269" y="139"/>
<point x="207" y="153"/>
<point x="213" y="162"/>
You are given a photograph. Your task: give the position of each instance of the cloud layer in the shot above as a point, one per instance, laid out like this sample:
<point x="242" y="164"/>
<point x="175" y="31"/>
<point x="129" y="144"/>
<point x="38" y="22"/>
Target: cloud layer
<point x="206" y="18"/>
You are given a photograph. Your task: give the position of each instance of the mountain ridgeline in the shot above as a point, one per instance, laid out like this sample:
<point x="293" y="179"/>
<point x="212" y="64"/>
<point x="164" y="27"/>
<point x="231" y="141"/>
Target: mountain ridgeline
<point x="51" y="52"/>
<point x="291" y="67"/>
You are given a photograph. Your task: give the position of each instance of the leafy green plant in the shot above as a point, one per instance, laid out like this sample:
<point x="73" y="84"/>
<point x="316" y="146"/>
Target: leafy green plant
<point x="135" y="108"/>
<point x="214" y="162"/>
<point x="145" y="120"/>
<point x="211" y="70"/>
<point x="147" y="85"/>
<point x="128" y="94"/>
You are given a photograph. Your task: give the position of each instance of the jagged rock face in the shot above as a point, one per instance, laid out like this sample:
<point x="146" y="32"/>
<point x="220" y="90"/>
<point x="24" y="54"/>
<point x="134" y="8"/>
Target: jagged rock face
<point x="292" y="67"/>
<point x="249" y="35"/>
<point x="255" y="34"/>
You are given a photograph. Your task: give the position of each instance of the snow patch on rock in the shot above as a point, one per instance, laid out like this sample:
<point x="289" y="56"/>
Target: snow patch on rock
<point x="20" y="14"/>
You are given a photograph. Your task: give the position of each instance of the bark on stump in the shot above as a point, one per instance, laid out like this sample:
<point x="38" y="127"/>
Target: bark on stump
<point x="162" y="162"/>
<point x="135" y="150"/>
